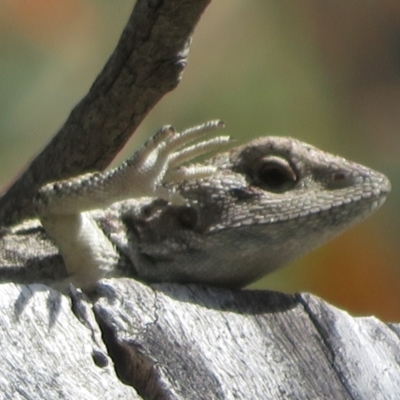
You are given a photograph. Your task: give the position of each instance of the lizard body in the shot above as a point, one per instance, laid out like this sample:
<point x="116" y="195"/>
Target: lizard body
<point x="226" y="222"/>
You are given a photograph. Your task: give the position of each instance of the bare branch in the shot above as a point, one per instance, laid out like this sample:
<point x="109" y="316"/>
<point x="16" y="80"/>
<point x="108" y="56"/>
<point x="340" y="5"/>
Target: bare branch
<point x="146" y="64"/>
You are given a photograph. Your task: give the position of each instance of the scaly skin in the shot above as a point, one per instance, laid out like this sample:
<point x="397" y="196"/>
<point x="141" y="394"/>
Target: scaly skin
<point x="227" y="222"/>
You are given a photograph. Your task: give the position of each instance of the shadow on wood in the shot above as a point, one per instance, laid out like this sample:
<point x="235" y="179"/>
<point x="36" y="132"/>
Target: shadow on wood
<point x="192" y="342"/>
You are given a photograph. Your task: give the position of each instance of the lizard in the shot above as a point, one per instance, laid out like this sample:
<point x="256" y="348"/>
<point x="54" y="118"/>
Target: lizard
<point x="225" y="222"/>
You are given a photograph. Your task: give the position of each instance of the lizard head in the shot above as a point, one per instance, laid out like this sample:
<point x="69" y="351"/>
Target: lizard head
<point x="270" y="201"/>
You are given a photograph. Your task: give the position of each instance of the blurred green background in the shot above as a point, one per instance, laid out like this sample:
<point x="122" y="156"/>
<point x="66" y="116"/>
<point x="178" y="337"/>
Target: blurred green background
<point x="326" y="72"/>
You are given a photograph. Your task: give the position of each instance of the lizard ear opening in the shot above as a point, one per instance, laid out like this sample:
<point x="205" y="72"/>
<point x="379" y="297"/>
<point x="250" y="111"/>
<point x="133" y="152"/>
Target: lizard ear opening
<point x="275" y="174"/>
<point x="187" y="217"/>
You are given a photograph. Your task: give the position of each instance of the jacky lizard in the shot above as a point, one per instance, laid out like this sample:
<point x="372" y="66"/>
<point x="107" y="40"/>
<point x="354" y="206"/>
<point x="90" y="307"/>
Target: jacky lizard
<point x="226" y="222"/>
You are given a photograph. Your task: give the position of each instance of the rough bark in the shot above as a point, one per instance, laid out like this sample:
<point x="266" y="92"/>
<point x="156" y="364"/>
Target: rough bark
<point x="146" y="64"/>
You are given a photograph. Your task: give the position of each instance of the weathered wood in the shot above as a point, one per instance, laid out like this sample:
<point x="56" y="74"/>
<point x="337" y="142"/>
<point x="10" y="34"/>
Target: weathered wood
<point x="207" y="343"/>
<point x="191" y="342"/>
<point x="47" y="353"/>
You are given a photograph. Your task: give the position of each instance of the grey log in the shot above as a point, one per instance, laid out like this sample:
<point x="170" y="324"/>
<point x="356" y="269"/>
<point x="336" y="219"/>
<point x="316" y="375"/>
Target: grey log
<point x="190" y="342"/>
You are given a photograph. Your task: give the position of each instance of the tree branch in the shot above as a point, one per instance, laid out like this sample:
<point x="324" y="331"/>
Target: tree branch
<point x="146" y="64"/>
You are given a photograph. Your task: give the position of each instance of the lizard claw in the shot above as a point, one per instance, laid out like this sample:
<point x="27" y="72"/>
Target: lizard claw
<point x="159" y="160"/>
<point x="62" y="206"/>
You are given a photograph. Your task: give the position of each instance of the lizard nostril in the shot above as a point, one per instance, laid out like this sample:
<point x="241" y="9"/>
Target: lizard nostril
<point x="339" y="179"/>
<point x="340" y="176"/>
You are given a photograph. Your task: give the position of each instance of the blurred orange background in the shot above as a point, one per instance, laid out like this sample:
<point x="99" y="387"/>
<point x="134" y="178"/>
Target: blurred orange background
<point x="327" y="73"/>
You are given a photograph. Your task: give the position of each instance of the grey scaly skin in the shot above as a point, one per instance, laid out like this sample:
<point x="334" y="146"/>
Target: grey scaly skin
<point x="227" y="222"/>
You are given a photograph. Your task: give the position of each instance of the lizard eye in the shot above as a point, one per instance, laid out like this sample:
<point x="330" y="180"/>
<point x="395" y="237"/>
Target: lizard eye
<point x="275" y="174"/>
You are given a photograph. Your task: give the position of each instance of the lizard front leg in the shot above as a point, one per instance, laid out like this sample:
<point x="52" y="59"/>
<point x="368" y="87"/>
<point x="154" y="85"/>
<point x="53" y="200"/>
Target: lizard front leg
<point x="63" y="206"/>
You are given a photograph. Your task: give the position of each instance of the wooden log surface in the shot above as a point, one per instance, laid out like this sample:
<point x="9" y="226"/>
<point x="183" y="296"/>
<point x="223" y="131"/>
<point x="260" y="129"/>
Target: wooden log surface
<point x="190" y="342"/>
<point x="47" y="353"/>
